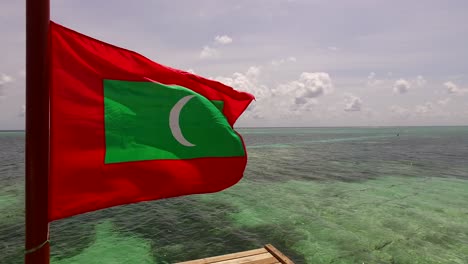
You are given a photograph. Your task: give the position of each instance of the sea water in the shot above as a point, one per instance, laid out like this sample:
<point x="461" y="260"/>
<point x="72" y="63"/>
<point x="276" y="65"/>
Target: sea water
<point x="319" y="195"/>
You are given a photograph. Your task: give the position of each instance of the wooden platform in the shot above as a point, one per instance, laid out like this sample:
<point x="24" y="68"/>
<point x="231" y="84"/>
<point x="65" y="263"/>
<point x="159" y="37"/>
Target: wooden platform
<point x="266" y="255"/>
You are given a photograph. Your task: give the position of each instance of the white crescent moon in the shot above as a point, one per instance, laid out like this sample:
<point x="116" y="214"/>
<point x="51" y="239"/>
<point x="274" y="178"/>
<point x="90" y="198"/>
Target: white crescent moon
<point x="174" y="121"/>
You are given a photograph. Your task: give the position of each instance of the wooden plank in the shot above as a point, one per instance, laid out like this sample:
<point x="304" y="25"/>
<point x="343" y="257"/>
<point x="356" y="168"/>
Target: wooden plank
<point x="276" y="253"/>
<point x="197" y="261"/>
<point x="226" y="257"/>
<point x="265" y="258"/>
<point x="270" y="260"/>
<point x="267" y="255"/>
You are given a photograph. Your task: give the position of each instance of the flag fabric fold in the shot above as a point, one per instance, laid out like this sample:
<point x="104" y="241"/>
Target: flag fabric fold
<point x="125" y="129"/>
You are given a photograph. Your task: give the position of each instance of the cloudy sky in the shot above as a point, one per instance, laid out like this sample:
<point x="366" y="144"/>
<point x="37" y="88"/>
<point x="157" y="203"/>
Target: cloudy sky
<point x="309" y="63"/>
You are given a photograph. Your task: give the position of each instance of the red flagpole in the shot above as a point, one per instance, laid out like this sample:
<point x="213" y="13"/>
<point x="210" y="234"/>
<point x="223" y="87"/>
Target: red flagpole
<point x="37" y="132"/>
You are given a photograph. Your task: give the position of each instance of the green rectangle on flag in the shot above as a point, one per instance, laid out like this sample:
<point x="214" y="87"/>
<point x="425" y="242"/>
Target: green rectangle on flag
<point x="152" y="121"/>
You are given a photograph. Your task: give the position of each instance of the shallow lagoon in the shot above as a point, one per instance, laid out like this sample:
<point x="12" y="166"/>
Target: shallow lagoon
<point x="320" y="195"/>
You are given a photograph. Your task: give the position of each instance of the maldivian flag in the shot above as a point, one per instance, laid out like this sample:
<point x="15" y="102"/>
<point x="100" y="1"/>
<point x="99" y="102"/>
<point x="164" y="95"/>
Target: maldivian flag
<point x="125" y="129"/>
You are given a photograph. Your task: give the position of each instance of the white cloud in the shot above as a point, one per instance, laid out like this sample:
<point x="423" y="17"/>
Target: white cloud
<point x="212" y="53"/>
<point x="372" y="80"/>
<point x="223" y="40"/>
<point x="282" y="61"/>
<point x="301" y="95"/>
<point x="332" y="48"/>
<point x="293" y="98"/>
<point x="4" y="79"/>
<point x="277" y="62"/>
<point x="425" y="108"/>
<point x="253" y="72"/>
<point x="443" y="101"/>
<point x="209" y="53"/>
<point x="23" y="110"/>
<point x="452" y="88"/>
<point x="247" y="82"/>
<point x="400" y="111"/>
<point x="420" y="81"/>
<point x="401" y="86"/>
<point x="352" y="103"/>
<point x="310" y="85"/>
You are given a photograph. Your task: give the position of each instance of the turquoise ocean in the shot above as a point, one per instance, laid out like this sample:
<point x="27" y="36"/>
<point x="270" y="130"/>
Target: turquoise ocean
<point x="319" y="195"/>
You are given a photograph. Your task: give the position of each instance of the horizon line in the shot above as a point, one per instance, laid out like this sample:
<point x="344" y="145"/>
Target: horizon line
<point x="243" y="127"/>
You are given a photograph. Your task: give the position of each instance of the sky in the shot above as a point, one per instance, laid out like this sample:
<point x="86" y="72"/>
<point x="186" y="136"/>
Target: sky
<point x="308" y="63"/>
